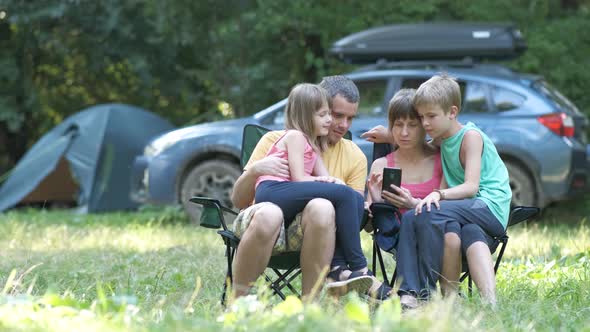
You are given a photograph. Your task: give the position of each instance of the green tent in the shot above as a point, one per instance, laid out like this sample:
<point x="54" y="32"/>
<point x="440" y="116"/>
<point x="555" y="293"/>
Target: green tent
<point x="90" y="154"/>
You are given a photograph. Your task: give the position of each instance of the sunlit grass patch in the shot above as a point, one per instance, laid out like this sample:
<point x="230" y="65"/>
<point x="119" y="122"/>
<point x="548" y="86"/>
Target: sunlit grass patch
<point x="154" y="271"/>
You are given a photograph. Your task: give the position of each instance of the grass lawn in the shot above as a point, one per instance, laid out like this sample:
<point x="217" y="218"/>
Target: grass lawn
<point x="152" y="271"/>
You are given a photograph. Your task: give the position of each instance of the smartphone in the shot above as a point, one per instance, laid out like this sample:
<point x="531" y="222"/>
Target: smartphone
<point x="391" y="175"/>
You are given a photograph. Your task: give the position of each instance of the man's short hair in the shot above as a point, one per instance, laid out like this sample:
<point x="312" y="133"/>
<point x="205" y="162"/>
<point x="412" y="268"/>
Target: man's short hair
<point x="341" y="85"/>
<point x="442" y="90"/>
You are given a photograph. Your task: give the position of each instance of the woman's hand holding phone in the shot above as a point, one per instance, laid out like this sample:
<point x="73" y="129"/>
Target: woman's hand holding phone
<point x="402" y="198"/>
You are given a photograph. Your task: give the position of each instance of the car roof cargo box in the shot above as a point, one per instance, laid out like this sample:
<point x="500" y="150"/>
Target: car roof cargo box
<point x="431" y="41"/>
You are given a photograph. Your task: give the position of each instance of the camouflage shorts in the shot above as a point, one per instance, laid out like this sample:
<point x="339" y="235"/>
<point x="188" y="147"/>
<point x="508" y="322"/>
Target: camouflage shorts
<point x="291" y="242"/>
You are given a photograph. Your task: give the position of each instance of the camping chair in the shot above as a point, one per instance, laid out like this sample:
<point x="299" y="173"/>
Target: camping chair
<point x="518" y="214"/>
<point x="285" y="265"/>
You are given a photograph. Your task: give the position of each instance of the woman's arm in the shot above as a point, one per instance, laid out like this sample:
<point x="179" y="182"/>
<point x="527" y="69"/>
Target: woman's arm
<point x="375" y="181"/>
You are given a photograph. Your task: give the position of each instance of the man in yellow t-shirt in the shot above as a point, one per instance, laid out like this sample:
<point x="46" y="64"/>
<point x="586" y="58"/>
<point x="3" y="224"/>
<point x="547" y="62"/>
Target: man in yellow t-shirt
<point x="343" y="159"/>
<point x="262" y="224"/>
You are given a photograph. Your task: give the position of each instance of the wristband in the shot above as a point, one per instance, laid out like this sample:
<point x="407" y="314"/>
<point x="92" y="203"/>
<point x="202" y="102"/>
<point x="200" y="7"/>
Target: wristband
<point x="441" y="193"/>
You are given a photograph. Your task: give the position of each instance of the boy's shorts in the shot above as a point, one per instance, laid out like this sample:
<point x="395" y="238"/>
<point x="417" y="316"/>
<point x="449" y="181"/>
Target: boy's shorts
<point x="289" y="240"/>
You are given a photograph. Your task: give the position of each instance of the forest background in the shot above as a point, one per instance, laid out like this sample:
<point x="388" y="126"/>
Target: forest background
<point x="196" y="61"/>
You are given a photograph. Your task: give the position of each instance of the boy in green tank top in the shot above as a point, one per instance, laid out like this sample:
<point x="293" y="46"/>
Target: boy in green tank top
<point x="475" y="206"/>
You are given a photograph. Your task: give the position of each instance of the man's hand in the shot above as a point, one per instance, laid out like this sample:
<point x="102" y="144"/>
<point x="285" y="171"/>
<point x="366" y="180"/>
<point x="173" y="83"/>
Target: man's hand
<point x="329" y="179"/>
<point x="275" y="165"/>
<point x="432" y="198"/>
<point x="378" y="134"/>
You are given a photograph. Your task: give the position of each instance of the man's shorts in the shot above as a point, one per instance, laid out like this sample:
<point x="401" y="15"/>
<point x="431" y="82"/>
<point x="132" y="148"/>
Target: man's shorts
<point x="292" y="241"/>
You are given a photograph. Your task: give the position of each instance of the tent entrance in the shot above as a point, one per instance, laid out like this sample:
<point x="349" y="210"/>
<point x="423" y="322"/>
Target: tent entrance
<point x="57" y="188"/>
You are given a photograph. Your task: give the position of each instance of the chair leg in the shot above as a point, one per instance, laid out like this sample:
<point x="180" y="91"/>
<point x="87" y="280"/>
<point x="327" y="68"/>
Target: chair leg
<point x="382" y="264"/>
<point x="375" y="248"/>
<point x="470" y="285"/>
<point x="500" y="254"/>
<point x="377" y="254"/>
<point x="229" y="253"/>
<point x="393" y="277"/>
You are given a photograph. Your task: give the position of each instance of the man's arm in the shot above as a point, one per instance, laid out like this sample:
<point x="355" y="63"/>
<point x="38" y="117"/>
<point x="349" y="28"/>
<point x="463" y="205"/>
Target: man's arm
<point x="244" y="189"/>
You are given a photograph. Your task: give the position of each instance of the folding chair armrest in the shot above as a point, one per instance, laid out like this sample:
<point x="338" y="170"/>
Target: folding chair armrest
<point x="519" y="214"/>
<point x="212" y="214"/>
<point x="212" y="202"/>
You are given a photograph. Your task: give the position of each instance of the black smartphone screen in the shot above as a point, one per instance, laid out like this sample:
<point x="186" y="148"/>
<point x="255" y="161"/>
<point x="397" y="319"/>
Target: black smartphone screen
<point x="391" y="175"/>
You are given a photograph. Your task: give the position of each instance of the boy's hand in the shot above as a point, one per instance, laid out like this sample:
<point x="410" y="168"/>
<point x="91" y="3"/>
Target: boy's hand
<point x="378" y="134"/>
<point x="432" y="198"/>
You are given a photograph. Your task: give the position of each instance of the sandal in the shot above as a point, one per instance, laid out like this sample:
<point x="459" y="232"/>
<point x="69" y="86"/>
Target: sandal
<point x="357" y="281"/>
<point x="380" y="294"/>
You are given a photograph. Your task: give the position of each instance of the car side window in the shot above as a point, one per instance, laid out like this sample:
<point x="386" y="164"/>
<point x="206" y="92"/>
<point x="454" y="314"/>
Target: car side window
<point x="414" y="83"/>
<point x="279" y="117"/>
<point x="372" y="93"/>
<point x="475" y="98"/>
<point x="505" y="100"/>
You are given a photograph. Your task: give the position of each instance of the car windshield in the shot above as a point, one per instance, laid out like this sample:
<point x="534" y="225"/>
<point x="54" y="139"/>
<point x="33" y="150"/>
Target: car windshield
<point x="550" y="92"/>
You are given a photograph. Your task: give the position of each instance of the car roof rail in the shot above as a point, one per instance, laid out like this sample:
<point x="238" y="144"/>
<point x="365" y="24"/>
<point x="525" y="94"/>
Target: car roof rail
<point x="465" y="62"/>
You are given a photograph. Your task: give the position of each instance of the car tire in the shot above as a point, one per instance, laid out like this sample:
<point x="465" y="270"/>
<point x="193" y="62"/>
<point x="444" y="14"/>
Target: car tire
<point x="522" y="186"/>
<point x="212" y="178"/>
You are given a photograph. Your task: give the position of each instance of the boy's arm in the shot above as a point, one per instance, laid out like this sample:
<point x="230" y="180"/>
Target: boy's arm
<point x="470" y="154"/>
<point x="443" y="183"/>
<point x="378" y="134"/>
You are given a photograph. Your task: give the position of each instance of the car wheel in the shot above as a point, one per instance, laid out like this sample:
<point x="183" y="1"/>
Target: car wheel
<point x="522" y="186"/>
<point x="212" y="178"/>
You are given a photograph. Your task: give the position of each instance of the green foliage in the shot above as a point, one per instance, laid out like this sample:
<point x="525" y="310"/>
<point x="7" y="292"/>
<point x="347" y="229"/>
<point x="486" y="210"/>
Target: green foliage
<point x="194" y="61"/>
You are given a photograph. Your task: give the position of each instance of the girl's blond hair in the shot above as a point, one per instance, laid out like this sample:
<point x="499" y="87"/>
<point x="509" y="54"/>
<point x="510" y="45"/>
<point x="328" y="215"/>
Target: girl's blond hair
<point x="304" y="100"/>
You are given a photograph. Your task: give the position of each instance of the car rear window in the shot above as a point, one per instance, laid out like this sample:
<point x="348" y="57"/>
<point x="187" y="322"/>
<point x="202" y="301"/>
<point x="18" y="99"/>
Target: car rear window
<point x="372" y="93"/>
<point x="555" y="96"/>
<point x="506" y="100"/>
<point x="474" y="98"/>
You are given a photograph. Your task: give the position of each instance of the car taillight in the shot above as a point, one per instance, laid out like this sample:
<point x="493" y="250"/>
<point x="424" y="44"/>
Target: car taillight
<point x="559" y="123"/>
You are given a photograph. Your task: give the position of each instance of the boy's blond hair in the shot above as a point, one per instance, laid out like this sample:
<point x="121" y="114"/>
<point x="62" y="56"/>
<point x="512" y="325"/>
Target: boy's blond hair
<point x="304" y="100"/>
<point x="442" y="90"/>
